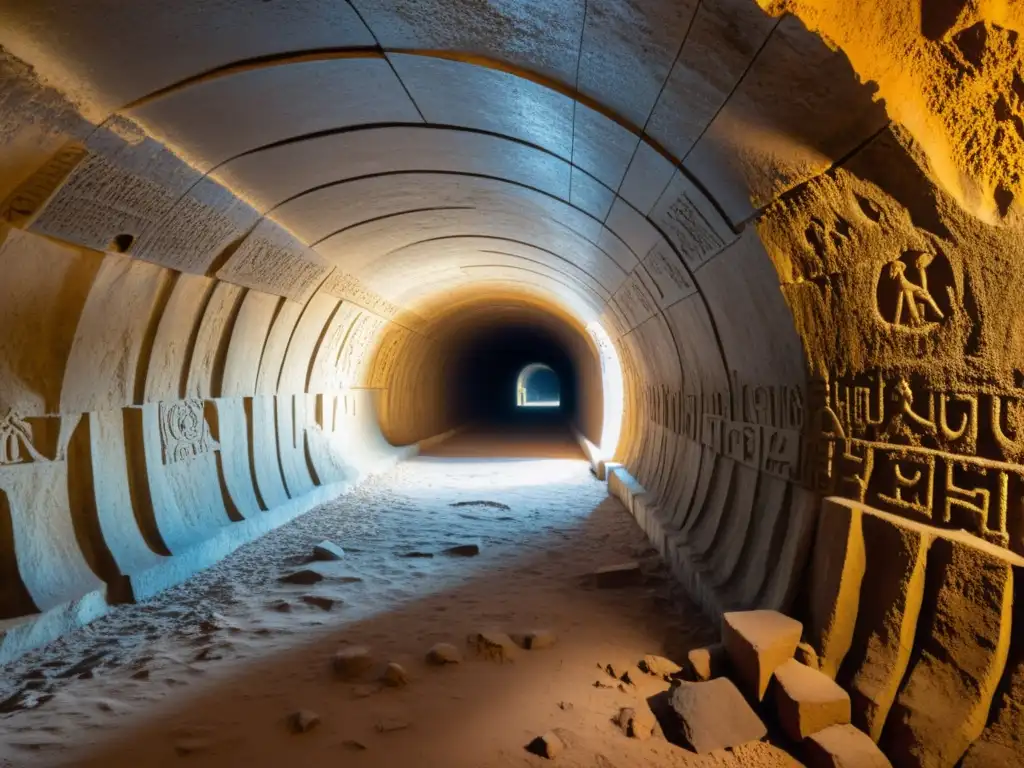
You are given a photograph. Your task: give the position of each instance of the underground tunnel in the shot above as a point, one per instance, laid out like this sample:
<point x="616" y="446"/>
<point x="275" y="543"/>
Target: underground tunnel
<point x="666" y="349"/>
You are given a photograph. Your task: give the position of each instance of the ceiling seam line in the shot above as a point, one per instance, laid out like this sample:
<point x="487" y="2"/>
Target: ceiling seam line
<point x="661" y="92"/>
<point x="391" y="65"/>
<point x="732" y="93"/>
<point x="575" y="101"/>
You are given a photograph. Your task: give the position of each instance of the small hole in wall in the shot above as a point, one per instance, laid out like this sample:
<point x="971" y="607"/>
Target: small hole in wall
<point x="121" y="243"/>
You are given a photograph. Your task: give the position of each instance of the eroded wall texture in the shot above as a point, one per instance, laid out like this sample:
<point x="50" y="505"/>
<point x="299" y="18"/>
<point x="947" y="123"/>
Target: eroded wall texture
<point x="243" y="246"/>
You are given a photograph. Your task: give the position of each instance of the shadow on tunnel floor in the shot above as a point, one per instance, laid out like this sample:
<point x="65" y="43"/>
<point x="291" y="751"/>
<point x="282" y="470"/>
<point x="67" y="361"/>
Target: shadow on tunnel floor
<point x="534" y="434"/>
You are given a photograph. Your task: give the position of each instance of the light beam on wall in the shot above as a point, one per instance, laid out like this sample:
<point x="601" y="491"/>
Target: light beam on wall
<point x="612" y="390"/>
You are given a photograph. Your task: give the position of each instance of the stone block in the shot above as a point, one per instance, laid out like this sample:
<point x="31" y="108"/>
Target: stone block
<point x="758" y="642"/>
<point x="843" y="746"/>
<point x="708" y="662"/>
<point x="806" y="655"/>
<point x="549" y="745"/>
<point x="808" y="701"/>
<point x="961" y="652"/>
<point x="837" y="569"/>
<point x="637" y="724"/>
<point x="892" y="590"/>
<point x="714" y="715"/>
<point x="328" y="550"/>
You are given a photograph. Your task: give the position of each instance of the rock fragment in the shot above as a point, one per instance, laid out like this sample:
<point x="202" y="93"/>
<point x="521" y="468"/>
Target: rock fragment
<point x="637" y="724"/>
<point x="617" y="576"/>
<point x="390" y="724"/>
<point x="305" y="577"/>
<point x="190" y="745"/>
<point x="352" y="662"/>
<point x="444" y="653"/>
<point x="496" y="646"/>
<point x="549" y="745"/>
<point x="535" y="640"/>
<point x="303" y="721"/>
<point x="659" y="666"/>
<point x="843" y="746"/>
<point x="708" y="662"/>
<point x="758" y="642"/>
<point x="808" y="701"/>
<point x="417" y="554"/>
<point x="328" y="550"/>
<point x="806" y="655"/>
<point x="395" y="675"/>
<point x="714" y="715"/>
<point x="318" y="601"/>
<point x="355" y="746"/>
<point x="281" y="606"/>
<point x="463" y="550"/>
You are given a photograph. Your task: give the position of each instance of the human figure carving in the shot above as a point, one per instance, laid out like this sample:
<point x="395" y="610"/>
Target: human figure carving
<point x="911" y="293"/>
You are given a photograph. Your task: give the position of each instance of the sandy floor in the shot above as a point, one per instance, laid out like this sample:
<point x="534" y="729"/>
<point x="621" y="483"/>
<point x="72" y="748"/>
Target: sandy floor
<point x="208" y="673"/>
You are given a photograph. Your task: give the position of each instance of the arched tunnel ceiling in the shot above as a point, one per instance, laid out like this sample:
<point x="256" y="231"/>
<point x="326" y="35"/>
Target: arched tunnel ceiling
<point x="588" y="150"/>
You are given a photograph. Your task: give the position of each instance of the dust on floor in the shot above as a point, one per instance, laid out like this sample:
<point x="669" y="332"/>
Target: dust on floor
<point x="208" y="673"/>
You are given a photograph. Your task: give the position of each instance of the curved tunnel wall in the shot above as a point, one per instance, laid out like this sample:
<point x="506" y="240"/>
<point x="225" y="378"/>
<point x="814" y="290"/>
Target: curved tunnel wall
<point x="232" y="252"/>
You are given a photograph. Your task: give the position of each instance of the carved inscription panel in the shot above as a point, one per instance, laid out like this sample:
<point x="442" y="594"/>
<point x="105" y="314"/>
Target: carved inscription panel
<point x="184" y="433"/>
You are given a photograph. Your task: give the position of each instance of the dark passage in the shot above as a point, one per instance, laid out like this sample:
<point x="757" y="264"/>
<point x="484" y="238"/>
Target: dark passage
<point x="485" y="373"/>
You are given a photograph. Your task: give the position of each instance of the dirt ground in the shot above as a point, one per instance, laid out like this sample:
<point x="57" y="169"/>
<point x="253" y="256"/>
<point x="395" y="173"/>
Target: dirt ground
<point x="208" y="673"/>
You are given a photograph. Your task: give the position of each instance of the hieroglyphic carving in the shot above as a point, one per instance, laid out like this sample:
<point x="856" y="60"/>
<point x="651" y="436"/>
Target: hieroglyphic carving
<point x="669" y="275"/>
<point x="930" y="455"/>
<point x="742" y="442"/>
<point x="684" y="224"/>
<point x="269" y="266"/>
<point x="32" y="195"/>
<point x="184" y="433"/>
<point x="907" y="298"/>
<point x="16" y="445"/>
<point x="635" y="301"/>
<point x="347" y="287"/>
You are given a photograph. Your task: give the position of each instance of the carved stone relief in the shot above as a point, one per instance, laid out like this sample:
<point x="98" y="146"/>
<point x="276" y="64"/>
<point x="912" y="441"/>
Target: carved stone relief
<point x="184" y="433"/>
<point x="16" y="445"/>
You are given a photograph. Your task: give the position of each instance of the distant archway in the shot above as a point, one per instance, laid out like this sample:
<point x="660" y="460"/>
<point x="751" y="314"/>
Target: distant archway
<point x="538" y="386"/>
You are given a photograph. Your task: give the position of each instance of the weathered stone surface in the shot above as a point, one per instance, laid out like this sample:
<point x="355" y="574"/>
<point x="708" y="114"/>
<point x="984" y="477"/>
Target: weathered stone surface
<point x="395" y="675"/>
<point x="305" y="577"/>
<point x="318" y="601"/>
<point x="328" y="550"/>
<point x="892" y="591"/>
<point x="714" y="715"/>
<point x="808" y="701"/>
<point x="495" y="646"/>
<point x="758" y="643"/>
<point x="444" y="653"/>
<point x="708" y="662"/>
<point x="806" y="655"/>
<point x="535" y="640"/>
<point x="837" y="569"/>
<point x="549" y="745"/>
<point x="962" y="648"/>
<point x="636" y="723"/>
<point x="350" y="663"/>
<point x="463" y="550"/>
<point x="659" y="666"/>
<point x="843" y="746"/>
<point x="614" y="576"/>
